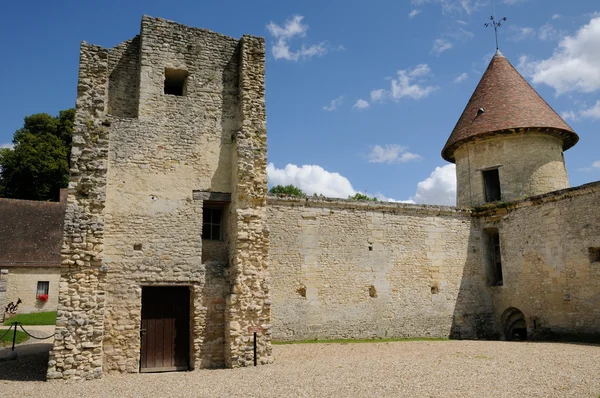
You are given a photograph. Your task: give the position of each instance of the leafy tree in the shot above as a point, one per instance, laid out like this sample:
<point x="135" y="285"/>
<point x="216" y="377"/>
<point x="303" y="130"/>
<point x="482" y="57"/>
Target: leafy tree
<point x="38" y="165"/>
<point x="288" y="190"/>
<point x="360" y="196"/>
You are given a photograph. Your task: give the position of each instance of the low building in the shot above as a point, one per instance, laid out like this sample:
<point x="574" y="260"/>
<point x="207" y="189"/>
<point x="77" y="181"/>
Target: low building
<point x="30" y="243"/>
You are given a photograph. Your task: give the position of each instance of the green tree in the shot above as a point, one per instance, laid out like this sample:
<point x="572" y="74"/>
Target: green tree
<point x="360" y="196"/>
<point x="288" y="190"/>
<point x="38" y="165"/>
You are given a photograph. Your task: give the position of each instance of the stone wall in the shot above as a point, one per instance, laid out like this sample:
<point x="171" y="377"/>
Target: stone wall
<point x="342" y="269"/>
<point x="177" y="144"/>
<point x="548" y="271"/>
<point x="249" y="305"/>
<point x="139" y="155"/>
<point x="529" y="164"/>
<point x="77" y="351"/>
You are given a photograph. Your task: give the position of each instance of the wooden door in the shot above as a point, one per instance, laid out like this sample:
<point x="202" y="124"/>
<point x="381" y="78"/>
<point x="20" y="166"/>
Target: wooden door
<point x="165" y="333"/>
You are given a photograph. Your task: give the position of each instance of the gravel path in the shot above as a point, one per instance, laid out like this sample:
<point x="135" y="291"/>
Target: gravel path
<point x="402" y="369"/>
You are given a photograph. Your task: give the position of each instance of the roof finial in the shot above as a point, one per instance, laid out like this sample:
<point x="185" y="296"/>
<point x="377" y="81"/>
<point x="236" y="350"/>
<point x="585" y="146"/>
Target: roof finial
<point x="495" y="24"/>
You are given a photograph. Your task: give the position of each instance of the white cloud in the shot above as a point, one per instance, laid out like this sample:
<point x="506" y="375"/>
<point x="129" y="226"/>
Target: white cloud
<point x="361" y="104"/>
<point x="519" y="34"/>
<point x="592" y="113"/>
<point x="440" y="45"/>
<point x="439" y="188"/>
<point x="334" y="104"/>
<point x="574" y="64"/>
<point x="512" y="2"/>
<point x="414" y="13"/>
<point x="311" y="179"/>
<point x="293" y="28"/>
<point x="405" y="85"/>
<point x="556" y="16"/>
<point x="596" y="164"/>
<point x="549" y="33"/>
<point x="391" y="153"/>
<point x="569" y="115"/>
<point x="454" y="6"/>
<point x="461" y="78"/>
<point x="9" y="146"/>
<point x="377" y="95"/>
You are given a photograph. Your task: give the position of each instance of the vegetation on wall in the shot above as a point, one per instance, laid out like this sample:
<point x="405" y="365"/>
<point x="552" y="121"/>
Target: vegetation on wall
<point x="360" y="196"/>
<point x="38" y="165"/>
<point x="288" y="190"/>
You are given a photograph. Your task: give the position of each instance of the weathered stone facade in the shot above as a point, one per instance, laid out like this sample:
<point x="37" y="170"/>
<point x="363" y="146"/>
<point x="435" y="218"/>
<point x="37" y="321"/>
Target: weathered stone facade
<point x="529" y="164"/>
<point x="342" y="269"/>
<point x="170" y="144"/>
<point x="139" y="154"/>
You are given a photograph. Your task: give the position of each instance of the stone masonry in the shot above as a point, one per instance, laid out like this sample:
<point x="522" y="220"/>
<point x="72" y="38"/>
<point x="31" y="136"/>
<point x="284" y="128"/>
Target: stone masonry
<point x="170" y="143"/>
<point x="133" y="221"/>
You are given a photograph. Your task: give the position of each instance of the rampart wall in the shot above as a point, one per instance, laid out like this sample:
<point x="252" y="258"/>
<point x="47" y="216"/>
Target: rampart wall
<point x="342" y="269"/>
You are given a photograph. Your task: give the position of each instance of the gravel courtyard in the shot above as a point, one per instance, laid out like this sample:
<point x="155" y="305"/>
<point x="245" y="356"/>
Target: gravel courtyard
<point x="400" y="369"/>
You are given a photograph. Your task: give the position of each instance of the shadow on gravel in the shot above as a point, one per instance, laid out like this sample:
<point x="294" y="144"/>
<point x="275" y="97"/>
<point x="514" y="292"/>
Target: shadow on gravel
<point x="30" y="365"/>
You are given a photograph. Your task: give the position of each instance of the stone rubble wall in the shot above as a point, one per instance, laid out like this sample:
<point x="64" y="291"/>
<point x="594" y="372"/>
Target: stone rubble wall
<point x="529" y="164"/>
<point x="124" y="77"/>
<point x="77" y="351"/>
<point x="176" y="145"/>
<point x="346" y="269"/>
<point x="547" y="270"/>
<point x="248" y="305"/>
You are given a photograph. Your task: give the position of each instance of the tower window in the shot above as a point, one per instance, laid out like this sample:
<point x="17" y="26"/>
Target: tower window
<point x="491" y="182"/>
<point x="212" y="220"/>
<point x="175" y="82"/>
<point x="494" y="257"/>
<point x="594" y="254"/>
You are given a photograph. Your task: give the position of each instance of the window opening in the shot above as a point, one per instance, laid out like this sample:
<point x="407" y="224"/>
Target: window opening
<point x="594" y="253"/>
<point x="494" y="259"/>
<point x="212" y="220"/>
<point x="175" y="82"/>
<point x="491" y="182"/>
<point x="43" y="287"/>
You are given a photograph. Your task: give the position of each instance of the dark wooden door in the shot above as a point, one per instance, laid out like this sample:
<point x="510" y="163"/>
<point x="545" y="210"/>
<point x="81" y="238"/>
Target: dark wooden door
<point x="165" y="333"/>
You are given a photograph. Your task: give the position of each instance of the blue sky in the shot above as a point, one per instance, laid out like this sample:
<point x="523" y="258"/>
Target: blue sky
<point x="361" y="96"/>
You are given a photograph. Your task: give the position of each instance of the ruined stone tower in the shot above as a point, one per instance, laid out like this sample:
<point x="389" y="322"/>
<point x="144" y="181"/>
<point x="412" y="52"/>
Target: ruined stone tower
<point x="508" y="144"/>
<point x="165" y="241"/>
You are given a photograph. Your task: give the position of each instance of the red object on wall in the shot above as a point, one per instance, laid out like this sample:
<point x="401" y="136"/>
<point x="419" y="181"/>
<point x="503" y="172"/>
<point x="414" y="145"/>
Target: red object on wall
<point x="42" y="297"/>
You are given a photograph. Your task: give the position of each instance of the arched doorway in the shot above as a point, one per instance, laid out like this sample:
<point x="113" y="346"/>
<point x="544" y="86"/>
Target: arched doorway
<point x="514" y="324"/>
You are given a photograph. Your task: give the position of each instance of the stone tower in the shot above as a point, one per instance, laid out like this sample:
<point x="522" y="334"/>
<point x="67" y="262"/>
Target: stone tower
<point x="165" y="245"/>
<point x="508" y="144"/>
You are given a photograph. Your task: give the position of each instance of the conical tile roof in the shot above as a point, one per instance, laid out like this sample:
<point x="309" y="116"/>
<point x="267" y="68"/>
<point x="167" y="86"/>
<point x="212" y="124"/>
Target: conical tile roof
<point x="502" y="103"/>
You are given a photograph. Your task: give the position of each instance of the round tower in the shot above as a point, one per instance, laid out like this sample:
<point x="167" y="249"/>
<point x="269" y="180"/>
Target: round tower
<point x="508" y="143"/>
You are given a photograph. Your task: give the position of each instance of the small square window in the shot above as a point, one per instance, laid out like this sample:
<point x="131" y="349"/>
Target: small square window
<point x="175" y="82"/>
<point x="43" y="288"/>
<point x="212" y="221"/>
<point x="594" y="253"/>
<point x="491" y="183"/>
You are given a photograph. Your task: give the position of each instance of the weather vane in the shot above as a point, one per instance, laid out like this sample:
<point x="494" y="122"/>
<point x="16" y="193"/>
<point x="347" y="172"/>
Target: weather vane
<point x="495" y="24"/>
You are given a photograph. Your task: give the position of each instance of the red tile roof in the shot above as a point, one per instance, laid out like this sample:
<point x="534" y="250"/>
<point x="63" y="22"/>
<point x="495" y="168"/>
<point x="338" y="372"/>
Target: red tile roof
<point x="503" y="102"/>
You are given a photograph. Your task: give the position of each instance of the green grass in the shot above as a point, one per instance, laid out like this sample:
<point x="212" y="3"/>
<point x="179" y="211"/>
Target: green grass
<point x="38" y="318"/>
<point x="351" y="341"/>
<point x="7" y="340"/>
